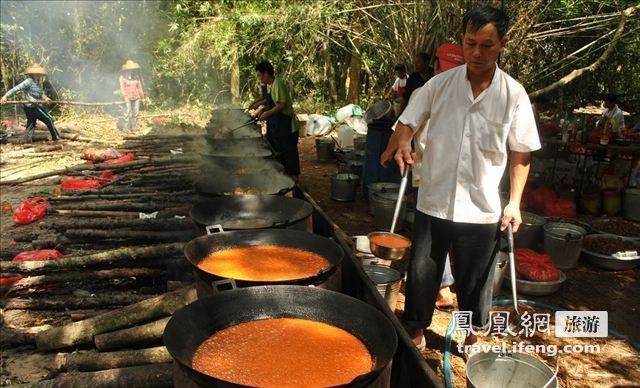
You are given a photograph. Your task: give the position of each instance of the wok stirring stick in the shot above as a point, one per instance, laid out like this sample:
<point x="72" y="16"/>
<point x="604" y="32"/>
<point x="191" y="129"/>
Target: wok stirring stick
<point x="403" y="187"/>
<point x="512" y="268"/>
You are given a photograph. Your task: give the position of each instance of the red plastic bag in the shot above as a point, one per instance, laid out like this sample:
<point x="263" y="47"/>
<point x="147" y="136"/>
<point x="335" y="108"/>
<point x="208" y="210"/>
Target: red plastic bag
<point x="30" y="210"/>
<point x="126" y="158"/>
<point x="38" y="255"/>
<point x="97" y="154"/>
<point x="535" y="267"/>
<point x="108" y="175"/>
<point x="560" y="208"/>
<point x="71" y="184"/>
<point x="536" y="199"/>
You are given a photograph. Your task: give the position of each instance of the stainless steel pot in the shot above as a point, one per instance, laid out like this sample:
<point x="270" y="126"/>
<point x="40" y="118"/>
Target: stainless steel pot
<point x="344" y="187"/>
<point x="631" y="204"/>
<point x="383" y="207"/>
<point x="530" y="234"/>
<point x="563" y="242"/>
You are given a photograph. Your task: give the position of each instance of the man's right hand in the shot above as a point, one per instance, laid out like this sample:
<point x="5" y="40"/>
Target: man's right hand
<point x="3" y="100"/>
<point x="404" y="156"/>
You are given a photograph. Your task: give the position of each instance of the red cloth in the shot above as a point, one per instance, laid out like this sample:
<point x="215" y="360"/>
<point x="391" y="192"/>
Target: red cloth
<point x="449" y="55"/>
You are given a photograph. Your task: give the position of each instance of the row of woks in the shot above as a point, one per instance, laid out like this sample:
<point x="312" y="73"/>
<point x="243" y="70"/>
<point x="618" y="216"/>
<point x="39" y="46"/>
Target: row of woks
<point x="250" y="220"/>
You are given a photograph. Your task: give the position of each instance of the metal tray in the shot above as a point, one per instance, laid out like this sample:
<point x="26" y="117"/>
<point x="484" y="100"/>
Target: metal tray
<point x="527" y="287"/>
<point x="607" y="261"/>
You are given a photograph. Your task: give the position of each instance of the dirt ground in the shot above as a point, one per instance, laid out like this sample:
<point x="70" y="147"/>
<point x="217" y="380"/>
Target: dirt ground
<point x="586" y="288"/>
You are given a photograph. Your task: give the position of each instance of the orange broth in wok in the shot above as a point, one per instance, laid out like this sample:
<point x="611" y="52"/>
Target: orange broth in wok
<point x="283" y="352"/>
<point x="263" y="263"/>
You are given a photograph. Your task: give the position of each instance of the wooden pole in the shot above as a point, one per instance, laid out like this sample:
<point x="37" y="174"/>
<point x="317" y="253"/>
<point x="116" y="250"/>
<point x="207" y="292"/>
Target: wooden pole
<point x="144" y="311"/>
<point x="131" y="337"/>
<point x="86" y="361"/>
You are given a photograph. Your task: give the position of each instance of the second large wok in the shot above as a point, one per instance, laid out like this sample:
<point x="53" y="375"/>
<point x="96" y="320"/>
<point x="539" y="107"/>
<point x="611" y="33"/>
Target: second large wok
<point x="216" y="185"/>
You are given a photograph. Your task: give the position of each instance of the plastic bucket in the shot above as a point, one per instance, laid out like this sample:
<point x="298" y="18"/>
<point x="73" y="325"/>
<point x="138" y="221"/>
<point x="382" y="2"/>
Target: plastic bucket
<point x="631" y="204"/>
<point x="530" y="233"/>
<point x="387" y="281"/>
<point x="513" y="370"/>
<point x="380" y="187"/>
<point x="563" y="242"/>
<point x="324" y="150"/>
<point x="384" y="205"/>
<point x="344" y="186"/>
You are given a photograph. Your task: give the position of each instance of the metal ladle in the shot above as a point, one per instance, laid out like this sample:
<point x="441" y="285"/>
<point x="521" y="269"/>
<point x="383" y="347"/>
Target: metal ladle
<point x="388" y="253"/>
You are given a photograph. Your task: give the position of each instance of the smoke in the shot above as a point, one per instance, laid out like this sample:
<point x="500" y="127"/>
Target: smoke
<point x="84" y="43"/>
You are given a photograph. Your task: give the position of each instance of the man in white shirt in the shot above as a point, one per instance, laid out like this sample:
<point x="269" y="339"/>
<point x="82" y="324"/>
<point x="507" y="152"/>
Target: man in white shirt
<point x="475" y="111"/>
<point x="613" y="116"/>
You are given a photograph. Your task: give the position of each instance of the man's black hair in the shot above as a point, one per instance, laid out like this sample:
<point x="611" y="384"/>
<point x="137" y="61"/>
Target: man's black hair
<point x="609" y="97"/>
<point x="476" y="18"/>
<point x="400" y="67"/>
<point x="426" y="57"/>
<point x="265" y="67"/>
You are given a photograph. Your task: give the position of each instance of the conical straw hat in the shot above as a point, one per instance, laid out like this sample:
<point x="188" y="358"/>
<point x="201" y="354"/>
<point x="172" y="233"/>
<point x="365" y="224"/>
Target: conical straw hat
<point x="130" y="65"/>
<point x="35" y="69"/>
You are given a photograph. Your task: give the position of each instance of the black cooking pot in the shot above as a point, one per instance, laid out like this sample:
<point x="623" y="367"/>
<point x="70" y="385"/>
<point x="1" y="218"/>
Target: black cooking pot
<point x="217" y="132"/>
<point x="216" y="185"/>
<point x="240" y="212"/>
<point x="237" y="148"/>
<point x="238" y="165"/>
<point x="192" y="325"/>
<point x="197" y="249"/>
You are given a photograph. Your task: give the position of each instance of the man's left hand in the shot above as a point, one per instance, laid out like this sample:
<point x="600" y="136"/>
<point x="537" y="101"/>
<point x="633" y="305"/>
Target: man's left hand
<point x="511" y="215"/>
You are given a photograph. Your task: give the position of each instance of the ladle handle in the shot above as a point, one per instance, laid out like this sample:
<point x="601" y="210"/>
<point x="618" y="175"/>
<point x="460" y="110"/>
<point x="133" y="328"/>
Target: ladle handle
<point x="512" y="267"/>
<point x="214" y="228"/>
<point x="403" y="187"/>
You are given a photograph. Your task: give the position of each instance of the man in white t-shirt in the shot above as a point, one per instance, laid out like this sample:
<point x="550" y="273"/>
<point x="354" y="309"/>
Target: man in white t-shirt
<point x="613" y="116"/>
<point x="476" y="111"/>
<point x="400" y="83"/>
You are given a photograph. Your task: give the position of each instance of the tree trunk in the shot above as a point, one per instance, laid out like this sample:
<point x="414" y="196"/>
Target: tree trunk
<point x="128" y="253"/>
<point x="145" y="376"/>
<point x="234" y="82"/>
<point x="86" y="361"/>
<point x="132" y="337"/>
<point x="110" y="223"/>
<point x="60" y="303"/>
<point x="84" y="331"/>
<point x="78" y="276"/>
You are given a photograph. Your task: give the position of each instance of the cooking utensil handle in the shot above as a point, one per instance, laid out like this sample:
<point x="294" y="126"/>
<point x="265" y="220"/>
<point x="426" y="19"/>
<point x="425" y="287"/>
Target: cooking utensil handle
<point x="218" y="285"/>
<point x="512" y="267"/>
<point x="403" y="187"/>
<point x="211" y="229"/>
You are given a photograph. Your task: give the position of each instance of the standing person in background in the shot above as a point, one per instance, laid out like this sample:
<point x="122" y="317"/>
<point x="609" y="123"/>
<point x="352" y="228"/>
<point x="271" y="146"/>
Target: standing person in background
<point x="282" y="128"/>
<point x="479" y="117"/>
<point x="613" y="116"/>
<point x="422" y="72"/>
<point x="131" y="91"/>
<point x="399" y="84"/>
<point x="32" y="91"/>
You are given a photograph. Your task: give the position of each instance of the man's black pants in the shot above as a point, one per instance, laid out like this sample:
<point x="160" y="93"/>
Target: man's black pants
<point x="34" y="113"/>
<point x="473" y="251"/>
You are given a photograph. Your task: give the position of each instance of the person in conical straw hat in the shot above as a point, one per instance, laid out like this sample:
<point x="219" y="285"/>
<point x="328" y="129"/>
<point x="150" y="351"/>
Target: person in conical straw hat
<point x="131" y="91"/>
<point x="31" y="89"/>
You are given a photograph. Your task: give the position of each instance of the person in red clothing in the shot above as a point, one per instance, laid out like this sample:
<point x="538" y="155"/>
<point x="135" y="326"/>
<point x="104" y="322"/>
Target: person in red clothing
<point x="132" y="92"/>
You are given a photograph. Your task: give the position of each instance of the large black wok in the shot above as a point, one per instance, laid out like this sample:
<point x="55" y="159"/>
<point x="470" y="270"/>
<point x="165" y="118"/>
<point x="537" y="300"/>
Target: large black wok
<point x="221" y="132"/>
<point x="237" y="148"/>
<point x="251" y="212"/>
<point x="238" y="165"/>
<point x="216" y="185"/>
<point x="191" y="325"/>
<point x="197" y="249"/>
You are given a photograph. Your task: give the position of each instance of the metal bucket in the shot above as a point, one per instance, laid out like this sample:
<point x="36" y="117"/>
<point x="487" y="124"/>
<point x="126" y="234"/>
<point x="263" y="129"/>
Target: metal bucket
<point x="344" y="186"/>
<point x="380" y="187"/>
<point x="324" y="150"/>
<point x="387" y="281"/>
<point x="513" y="370"/>
<point x="351" y="167"/>
<point x="384" y="205"/>
<point x="360" y="143"/>
<point x="530" y="233"/>
<point x="563" y="242"/>
<point x="631" y="204"/>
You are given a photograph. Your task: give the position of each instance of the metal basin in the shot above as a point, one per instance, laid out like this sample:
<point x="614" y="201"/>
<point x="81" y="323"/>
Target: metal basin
<point x="515" y="370"/>
<point x="527" y="287"/>
<point x="607" y="261"/>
